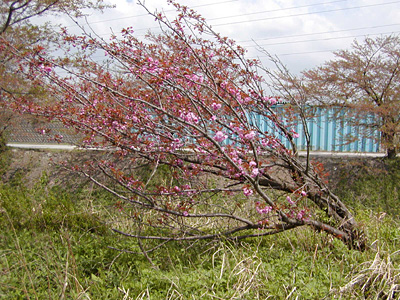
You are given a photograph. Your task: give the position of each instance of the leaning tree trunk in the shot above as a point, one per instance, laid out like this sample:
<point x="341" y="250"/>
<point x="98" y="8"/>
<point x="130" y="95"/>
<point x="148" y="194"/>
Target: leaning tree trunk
<point x="345" y="226"/>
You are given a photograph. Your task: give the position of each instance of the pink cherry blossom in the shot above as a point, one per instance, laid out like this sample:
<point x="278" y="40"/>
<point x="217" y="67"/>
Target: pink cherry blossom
<point x="291" y="202"/>
<point x="46" y="68"/>
<point x="220" y="136"/>
<point x="250" y="135"/>
<point x="247" y="192"/>
<point x="216" y="106"/>
<point x="301" y="214"/>
<point x="189" y="117"/>
<point x="264" y="210"/>
<point x="272" y="101"/>
<point x="255" y="172"/>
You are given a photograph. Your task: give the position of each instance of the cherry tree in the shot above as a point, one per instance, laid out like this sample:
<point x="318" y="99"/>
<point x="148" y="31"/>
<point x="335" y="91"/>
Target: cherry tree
<point x="364" y="78"/>
<point x="188" y="101"/>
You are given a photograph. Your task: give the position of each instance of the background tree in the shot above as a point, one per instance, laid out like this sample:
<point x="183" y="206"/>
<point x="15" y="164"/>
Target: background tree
<point x="16" y="14"/>
<point x="189" y="103"/>
<point x="17" y="30"/>
<point x="366" y="79"/>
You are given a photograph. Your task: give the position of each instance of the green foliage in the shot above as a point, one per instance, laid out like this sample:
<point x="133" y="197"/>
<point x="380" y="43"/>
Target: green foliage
<point x="376" y="187"/>
<point x="3" y="142"/>
<point x="53" y="243"/>
<point x="42" y="208"/>
<point x="4" y="155"/>
<point x="58" y="245"/>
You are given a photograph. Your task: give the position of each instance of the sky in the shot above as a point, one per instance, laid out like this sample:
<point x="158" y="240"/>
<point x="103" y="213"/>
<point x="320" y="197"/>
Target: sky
<point x="302" y="33"/>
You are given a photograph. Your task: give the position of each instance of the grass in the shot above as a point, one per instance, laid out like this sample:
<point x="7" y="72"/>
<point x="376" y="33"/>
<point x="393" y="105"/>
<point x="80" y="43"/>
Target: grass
<point x="378" y="278"/>
<point x="375" y="186"/>
<point x="55" y="244"/>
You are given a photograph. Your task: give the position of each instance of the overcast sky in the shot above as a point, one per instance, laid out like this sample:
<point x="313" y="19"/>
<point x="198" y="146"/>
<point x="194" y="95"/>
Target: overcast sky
<point x="302" y="33"/>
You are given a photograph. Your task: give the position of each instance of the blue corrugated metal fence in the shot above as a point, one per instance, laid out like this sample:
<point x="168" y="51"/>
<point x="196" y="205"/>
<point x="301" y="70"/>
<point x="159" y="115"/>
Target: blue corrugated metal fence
<point x="331" y="129"/>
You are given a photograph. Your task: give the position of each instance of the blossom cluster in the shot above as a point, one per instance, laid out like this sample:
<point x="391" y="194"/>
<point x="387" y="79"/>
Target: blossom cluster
<point x="295" y="211"/>
<point x="220" y="136"/>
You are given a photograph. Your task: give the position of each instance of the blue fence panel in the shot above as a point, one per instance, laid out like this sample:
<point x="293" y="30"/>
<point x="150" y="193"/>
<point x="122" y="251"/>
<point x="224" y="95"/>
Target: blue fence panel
<point x="330" y="129"/>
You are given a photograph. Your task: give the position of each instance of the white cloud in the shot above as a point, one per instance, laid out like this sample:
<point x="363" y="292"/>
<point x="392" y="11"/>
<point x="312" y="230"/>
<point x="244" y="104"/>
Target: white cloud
<point x="289" y="29"/>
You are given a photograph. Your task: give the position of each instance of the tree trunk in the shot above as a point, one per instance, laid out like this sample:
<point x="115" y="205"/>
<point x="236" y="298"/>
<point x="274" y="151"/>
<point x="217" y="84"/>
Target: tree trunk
<point x="391" y="153"/>
<point x="388" y="141"/>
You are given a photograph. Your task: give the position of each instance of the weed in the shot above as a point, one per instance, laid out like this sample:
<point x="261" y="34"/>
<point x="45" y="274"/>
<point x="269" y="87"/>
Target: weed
<point x="376" y="279"/>
<point x="55" y="244"/>
<point x="4" y="155"/>
<point x="376" y="187"/>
